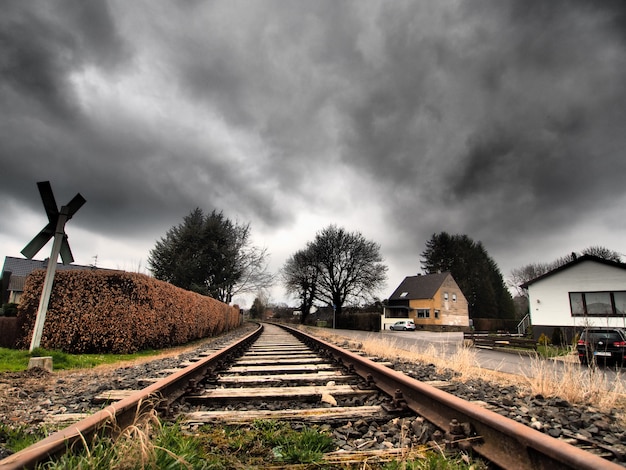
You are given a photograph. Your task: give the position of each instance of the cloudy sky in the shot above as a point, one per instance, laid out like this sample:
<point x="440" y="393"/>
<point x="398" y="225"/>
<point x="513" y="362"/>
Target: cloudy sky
<point x="502" y="120"/>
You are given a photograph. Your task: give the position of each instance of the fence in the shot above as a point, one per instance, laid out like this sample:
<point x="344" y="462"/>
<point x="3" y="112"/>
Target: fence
<point x="480" y="339"/>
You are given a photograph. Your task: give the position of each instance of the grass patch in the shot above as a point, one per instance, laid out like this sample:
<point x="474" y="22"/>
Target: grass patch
<point x="16" y="438"/>
<point x="437" y="461"/>
<point x="13" y="360"/>
<point x="547" y="350"/>
<point x="586" y="385"/>
<point x="147" y="444"/>
<point x="264" y="442"/>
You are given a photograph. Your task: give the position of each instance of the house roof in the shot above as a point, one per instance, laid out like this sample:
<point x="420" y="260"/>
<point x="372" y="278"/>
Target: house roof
<point x="23" y="266"/>
<point x="419" y="287"/>
<point x="16" y="283"/>
<point x="574" y="262"/>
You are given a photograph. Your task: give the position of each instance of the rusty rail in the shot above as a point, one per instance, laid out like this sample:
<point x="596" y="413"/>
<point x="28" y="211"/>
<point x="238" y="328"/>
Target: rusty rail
<point x="117" y="416"/>
<point x="508" y="444"/>
<point x="505" y="442"/>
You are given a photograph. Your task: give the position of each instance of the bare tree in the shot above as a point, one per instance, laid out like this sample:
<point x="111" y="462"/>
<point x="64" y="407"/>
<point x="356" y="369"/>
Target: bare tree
<point x="300" y="278"/>
<point x="336" y="268"/>
<point x="532" y="271"/>
<point x="349" y="267"/>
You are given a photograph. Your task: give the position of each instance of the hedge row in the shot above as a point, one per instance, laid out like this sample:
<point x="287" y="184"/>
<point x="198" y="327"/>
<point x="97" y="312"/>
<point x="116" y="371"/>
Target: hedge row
<point x="118" y="312"/>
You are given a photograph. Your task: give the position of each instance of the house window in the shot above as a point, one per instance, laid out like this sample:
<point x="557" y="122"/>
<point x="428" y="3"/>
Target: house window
<point x="404" y="294"/>
<point x="436" y="313"/>
<point x="397" y="313"/>
<point x="453" y="297"/>
<point x="445" y="296"/>
<point x="604" y="304"/>
<point x="620" y="302"/>
<point x="423" y="313"/>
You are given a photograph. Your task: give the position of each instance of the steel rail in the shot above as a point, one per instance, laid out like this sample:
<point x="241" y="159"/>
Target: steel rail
<point x="119" y="415"/>
<point x="507" y="443"/>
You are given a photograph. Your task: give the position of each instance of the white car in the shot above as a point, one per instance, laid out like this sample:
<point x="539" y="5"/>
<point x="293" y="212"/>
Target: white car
<point x="403" y="325"/>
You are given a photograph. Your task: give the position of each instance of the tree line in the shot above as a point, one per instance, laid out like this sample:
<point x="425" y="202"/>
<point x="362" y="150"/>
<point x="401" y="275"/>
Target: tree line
<point x="212" y="255"/>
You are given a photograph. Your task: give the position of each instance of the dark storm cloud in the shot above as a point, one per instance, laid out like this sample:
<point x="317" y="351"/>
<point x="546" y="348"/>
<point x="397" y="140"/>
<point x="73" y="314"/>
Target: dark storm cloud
<point x="488" y="118"/>
<point x="511" y="111"/>
<point x="42" y="41"/>
<point x="41" y="126"/>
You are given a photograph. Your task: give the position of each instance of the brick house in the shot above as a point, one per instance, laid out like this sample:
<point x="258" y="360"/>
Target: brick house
<point x="433" y="301"/>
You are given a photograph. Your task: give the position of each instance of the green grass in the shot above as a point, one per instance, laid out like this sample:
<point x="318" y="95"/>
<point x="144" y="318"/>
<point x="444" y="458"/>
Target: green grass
<point x="437" y="461"/>
<point x="548" y="350"/>
<point x="13" y="360"/>
<point x="264" y="443"/>
<point x="16" y="438"/>
<point x="149" y="444"/>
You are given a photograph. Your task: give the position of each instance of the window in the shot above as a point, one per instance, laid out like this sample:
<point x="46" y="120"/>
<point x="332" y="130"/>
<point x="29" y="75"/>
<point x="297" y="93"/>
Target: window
<point x="436" y="313"/>
<point x="453" y="297"/>
<point x="445" y="296"/>
<point x="604" y="304"/>
<point x="404" y="294"/>
<point x="423" y="313"/>
<point x="620" y="302"/>
<point x="397" y="313"/>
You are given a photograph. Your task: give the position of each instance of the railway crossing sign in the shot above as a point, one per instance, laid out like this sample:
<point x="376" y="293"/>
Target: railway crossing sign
<point x="54" y="229"/>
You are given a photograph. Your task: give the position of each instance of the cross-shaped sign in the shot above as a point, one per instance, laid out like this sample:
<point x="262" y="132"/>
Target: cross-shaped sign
<point x="55" y="228"/>
<point x="40" y="240"/>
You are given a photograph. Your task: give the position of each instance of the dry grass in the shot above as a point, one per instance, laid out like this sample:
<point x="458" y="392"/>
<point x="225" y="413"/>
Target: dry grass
<point x="463" y="361"/>
<point x="566" y="380"/>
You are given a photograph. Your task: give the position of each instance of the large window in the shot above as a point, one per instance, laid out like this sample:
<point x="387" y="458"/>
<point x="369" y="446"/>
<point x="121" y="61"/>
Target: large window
<point x="423" y="313"/>
<point x="604" y="304"/>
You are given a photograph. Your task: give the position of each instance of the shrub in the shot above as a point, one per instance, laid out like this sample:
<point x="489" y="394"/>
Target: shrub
<point x="9" y="310"/>
<point x="544" y="340"/>
<point x="557" y="337"/>
<point x="118" y="312"/>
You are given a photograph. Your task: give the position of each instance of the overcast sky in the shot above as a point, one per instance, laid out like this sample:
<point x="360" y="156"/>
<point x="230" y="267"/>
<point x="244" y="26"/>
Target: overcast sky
<point x="502" y="120"/>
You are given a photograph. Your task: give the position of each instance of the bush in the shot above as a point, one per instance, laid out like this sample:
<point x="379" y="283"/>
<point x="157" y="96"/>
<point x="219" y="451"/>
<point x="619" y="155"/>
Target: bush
<point x="544" y="340"/>
<point x="117" y="312"/>
<point x="9" y="310"/>
<point x="557" y="337"/>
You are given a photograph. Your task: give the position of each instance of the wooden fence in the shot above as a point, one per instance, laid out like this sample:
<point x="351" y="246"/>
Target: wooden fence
<point x="485" y="340"/>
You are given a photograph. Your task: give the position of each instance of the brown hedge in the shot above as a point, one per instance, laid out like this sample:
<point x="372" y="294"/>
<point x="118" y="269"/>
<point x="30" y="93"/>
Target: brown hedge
<point x="118" y="312"/>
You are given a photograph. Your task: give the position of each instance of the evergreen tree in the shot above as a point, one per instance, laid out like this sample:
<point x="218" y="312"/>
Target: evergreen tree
<point x="476" y="273"/>
<point x="210" y="255"/>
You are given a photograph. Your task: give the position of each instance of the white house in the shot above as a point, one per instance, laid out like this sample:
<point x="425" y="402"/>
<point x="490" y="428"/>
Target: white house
<point x="587" y="291"/>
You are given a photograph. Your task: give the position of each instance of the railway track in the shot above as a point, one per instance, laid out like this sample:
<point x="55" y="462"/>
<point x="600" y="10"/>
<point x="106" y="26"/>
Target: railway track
<point x="272" y="374"/>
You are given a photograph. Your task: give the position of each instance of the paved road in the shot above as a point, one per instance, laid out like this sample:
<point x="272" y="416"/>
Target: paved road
<point x="447" y="344"/>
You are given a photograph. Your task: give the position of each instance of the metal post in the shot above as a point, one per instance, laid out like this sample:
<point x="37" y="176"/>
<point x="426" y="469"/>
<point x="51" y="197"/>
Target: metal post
<point x="47" y="285"/>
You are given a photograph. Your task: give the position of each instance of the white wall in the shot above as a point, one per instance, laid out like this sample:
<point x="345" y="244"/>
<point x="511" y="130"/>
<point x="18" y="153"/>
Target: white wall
<point x="549" y="297"/>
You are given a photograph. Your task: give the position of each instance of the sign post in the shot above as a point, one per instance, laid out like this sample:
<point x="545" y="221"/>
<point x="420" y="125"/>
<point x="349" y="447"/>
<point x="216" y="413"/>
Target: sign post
<point x="55" y="228"/>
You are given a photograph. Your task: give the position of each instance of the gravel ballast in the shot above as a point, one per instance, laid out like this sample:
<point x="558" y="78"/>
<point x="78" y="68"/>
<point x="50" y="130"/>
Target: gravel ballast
<point x="28" y="399"/>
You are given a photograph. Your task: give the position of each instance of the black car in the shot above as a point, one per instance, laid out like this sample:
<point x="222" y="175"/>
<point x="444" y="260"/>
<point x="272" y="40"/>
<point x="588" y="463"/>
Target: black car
<point x="602" y="345"/>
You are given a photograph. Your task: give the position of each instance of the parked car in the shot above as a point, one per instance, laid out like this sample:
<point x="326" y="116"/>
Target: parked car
<point x="403" y="325"/>
<point x="602" y="345"/>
